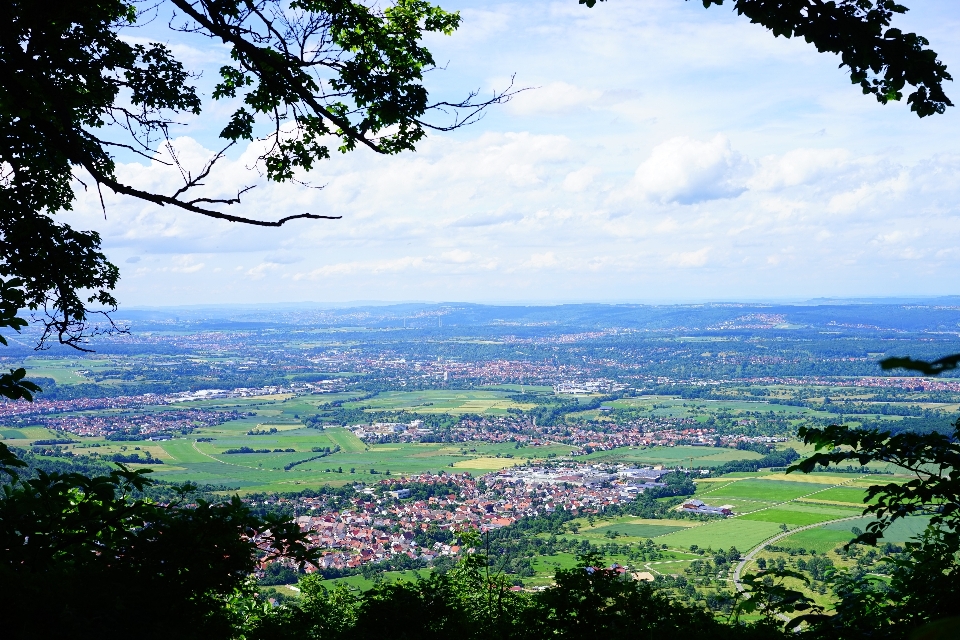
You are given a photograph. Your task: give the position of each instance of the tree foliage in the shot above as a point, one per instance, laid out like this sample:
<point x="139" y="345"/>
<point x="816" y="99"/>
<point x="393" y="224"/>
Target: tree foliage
<point x="471" y="602"/>
<point x="882" y="59"/>
<point x="81" y="557"/>
<point x="74" y="91"/>
<point x="925" y="584"/>
<point x="12" y="299"/>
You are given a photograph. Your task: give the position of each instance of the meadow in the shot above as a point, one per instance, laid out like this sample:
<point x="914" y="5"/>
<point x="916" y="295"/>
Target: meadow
<point x="764" y="504"/>
<point x="672" y="456"/>
<point x="188" y="460"/>
<point x="453" y="402"/>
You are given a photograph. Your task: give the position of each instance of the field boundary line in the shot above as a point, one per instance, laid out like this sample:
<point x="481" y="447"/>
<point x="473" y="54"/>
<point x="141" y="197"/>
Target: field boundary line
<point x="649" y="568"/>
<point x="232" y="464"/>
<point x="722" y="486"/>
<point x="807" y="495"/>
<point x="195" y="448"/>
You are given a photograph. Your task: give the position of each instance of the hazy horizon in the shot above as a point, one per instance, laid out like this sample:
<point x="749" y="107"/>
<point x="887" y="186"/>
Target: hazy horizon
<point x="346" y="304"/>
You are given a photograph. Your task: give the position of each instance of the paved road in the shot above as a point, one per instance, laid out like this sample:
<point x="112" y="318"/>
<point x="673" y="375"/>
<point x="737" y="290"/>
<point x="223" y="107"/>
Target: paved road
<point x="757" y="549"/>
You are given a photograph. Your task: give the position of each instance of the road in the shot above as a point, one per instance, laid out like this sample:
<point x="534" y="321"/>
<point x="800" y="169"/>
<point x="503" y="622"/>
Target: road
<point x="757" y="549"/>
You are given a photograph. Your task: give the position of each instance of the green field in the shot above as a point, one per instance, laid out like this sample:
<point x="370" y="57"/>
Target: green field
<point x="900" y="531"/>
<point x="637" y="530"/>
<point x="765" y="490"/>
<point x="64" y="370"/>
<point x="672" y="456"/>
<point x="548" y="565"/>
<point x="722" y="534"/>
<point x="763" y="505"/>
<point x="821" y="539"/>
<point x="21" y="436"/>
<point x="359" y="583"/>
<point x="441" y="401"/>
<point x="738" y="506"/>
<point x="205" y="462"/>
<point x="843" y="494"/>
<point x="347" y="442"/>
<point x="789" y="517"/>
<point x="761" y="501"/>
<point x="186" y="459"/>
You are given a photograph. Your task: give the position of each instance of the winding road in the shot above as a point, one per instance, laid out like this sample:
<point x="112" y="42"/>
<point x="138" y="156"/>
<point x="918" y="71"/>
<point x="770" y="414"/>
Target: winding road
<point x="757" y="549"/>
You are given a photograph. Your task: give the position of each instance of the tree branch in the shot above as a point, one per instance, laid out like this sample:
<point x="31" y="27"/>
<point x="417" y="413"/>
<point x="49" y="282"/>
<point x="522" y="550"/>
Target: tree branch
<point x="162" y="200"/>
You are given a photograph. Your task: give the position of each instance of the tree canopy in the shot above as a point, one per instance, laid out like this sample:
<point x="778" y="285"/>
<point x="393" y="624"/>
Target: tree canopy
<point x="882" y="59"/>
<point x="89" y="557"/>
<point x="304" y="77"/>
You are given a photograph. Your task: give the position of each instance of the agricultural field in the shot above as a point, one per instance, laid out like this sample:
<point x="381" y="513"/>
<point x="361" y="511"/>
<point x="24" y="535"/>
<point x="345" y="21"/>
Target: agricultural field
<point x="765" y="506"/>
<point x="23" y="436"/>
<point x="818" y="510"/>
<point x="599" y="384"/>
<point x="688" y="456"/>
<point x="362" y="583"/>
<point x="625" y="529"/>
<point x="480" y="401"/>
<point x="187" y="459"/>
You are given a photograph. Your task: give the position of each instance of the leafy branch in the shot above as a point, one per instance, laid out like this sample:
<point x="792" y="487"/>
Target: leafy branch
<point x="882" y="59"/>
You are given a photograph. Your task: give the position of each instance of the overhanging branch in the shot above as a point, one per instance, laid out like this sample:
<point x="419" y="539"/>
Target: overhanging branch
<point x="162" y="200"/>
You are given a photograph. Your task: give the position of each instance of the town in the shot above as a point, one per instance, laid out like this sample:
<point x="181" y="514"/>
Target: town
<point x="385" y="519"/>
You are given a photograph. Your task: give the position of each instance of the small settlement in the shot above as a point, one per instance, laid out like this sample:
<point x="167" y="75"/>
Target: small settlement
<point x="386" y="520"/>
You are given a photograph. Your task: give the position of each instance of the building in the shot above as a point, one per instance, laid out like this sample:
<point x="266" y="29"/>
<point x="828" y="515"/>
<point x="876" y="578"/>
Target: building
<point x="697" y="506"/>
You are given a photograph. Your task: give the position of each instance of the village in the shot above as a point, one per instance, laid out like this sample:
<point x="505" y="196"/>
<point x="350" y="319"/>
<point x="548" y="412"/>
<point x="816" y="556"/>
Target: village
<point x="583" y="438"/>
<point x="386" y="520"/>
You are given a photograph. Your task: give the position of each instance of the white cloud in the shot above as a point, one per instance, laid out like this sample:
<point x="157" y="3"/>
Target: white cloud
<point x="261" y="270"/>
<point x="480" y="25"/>
<point x="799" y="166"/>
<point x="543" y="199"/>
<point x="555" y="98"/>
<point x="688" y="171"/>
<point x="580" y="179"/>
<point x="185" y="264"/>
<point x="458" y="256"/>
<point x="372" y="267"/>
<point x="541" y="260"/>
<point x="690" y="258"/>
<point x="486" y="219"/>
<point x="283" y="257"/>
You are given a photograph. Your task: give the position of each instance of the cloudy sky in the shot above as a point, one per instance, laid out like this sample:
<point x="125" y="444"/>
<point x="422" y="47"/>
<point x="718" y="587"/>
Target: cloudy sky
<point x="665" y="153"/>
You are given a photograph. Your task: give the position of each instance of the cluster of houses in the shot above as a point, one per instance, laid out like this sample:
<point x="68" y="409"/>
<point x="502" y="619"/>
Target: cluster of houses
<point x="885" y="382"/>
<point x="11" y="409"/>
<point x="156" y="424"/>
<point x="384" y="520"/>
<point x="253" y="392"/>
<point x="627" y="480"/>
<point x="401" y="368"/>
<point x="642" y="432"/>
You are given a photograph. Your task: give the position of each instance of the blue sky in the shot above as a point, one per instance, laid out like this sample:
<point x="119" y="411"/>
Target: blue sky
<point x="666" y="152"/>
